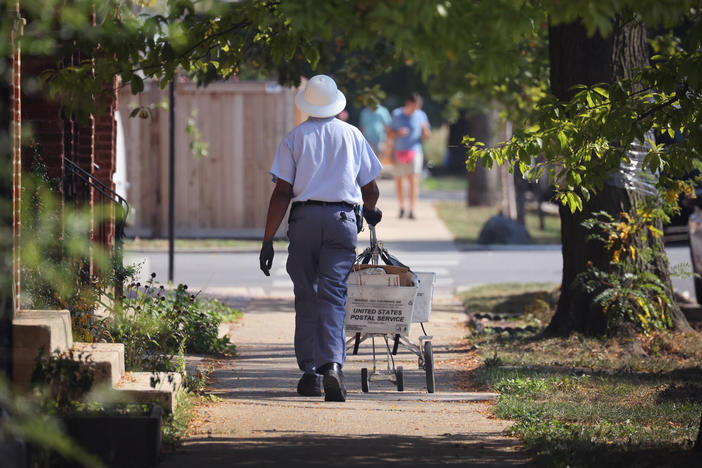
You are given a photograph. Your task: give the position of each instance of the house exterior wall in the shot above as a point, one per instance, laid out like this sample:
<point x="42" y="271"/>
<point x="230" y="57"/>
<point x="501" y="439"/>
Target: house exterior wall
<point x="56" y="137"/>
<point x="16" y="149"/>
<point x="43" y="119"/>
<point x="90" y="144"/>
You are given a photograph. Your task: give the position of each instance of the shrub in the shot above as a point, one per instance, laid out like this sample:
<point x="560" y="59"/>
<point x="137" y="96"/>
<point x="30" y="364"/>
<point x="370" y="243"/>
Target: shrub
<point x="625" y="290"/>
<point x="57" y="253"/>
<point x="66" y="376"/>
<point x="157" y="326"/>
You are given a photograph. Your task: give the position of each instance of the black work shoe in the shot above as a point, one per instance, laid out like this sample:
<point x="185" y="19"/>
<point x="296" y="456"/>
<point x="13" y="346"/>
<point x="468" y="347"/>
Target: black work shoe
<point x="334" y="389"/>
<point x="402" y="214"/>
<point x="310" y="385"/>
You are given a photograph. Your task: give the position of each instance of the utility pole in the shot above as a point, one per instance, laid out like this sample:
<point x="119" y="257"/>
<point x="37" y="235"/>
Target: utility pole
<point x="171" y="177"/>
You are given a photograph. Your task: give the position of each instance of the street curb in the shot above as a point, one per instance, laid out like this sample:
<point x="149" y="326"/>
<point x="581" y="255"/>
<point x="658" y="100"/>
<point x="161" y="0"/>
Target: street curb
<point x="505" y="247"/>
<point x="460" y="247"/>
<point x="211" y="250"/>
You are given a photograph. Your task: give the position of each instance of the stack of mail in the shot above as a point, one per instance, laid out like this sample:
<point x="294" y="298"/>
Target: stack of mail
<point x="373" y="277"/>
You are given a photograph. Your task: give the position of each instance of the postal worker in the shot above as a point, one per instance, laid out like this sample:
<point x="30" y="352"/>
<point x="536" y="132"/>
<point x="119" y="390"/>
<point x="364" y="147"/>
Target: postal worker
<point x="326" y="168"/>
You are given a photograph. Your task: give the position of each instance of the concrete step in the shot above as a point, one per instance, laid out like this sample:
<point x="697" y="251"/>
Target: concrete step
<point x="35" y="331"/>
<point x="147" y="387"/>
<point x="47" y="331"/>
<point x="108" y="359"/>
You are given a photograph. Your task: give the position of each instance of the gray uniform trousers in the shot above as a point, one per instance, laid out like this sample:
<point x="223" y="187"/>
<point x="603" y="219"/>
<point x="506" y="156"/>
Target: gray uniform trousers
<point x="321" y="253"/>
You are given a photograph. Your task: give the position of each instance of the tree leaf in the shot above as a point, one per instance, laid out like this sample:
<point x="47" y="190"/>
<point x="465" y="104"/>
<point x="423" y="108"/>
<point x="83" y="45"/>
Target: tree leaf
<point x="137" y="84"/>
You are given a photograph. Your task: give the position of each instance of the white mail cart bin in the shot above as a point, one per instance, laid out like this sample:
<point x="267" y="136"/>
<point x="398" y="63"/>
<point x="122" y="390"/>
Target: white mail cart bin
<point x="381" y="303"/>
<point x="425" y="294"/>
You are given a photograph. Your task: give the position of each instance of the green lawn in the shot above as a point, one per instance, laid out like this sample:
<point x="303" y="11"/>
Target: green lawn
<point x="525" y="302"/>
<point x="466" y="222"/>
<point x="581" y="401"/>
<point x="456" y="183"/>
<point x="435" y="146"/>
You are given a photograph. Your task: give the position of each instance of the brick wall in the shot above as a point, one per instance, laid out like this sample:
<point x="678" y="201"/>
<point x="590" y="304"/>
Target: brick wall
<point x="90" y="144"/>
<point x="44" y="121"/>
<point x="16" y="148"/>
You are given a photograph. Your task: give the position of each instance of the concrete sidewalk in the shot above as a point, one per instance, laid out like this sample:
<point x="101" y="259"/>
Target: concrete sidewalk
<point x="427" y="227"/>
<point x="261" y="421"/>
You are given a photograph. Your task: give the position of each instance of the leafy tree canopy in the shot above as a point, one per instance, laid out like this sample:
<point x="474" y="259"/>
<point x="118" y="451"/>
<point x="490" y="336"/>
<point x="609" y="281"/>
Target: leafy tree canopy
<point x="464" y="48"/>
<point x="586" y="139"/>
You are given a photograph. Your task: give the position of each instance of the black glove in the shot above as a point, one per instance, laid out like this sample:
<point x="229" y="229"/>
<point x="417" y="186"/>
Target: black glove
<point x="372" y="217"/>
<point x="266" y="257"/>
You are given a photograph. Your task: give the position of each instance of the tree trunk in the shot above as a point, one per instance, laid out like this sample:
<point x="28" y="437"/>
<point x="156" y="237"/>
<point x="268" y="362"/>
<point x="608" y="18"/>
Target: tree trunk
<point x="456" y="163"/>
<point x="482" y="182"/>
<point x="578" y="59"/>
<point x="521" y="186"/>
<point x="509" y="197"/>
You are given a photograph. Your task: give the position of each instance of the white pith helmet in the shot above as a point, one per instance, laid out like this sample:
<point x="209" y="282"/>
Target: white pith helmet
<point x="320" y="98"/>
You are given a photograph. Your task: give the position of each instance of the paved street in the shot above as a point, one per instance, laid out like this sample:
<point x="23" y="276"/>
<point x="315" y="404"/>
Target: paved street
<point x="424" y="244"/>
<point x="238" y="274"/>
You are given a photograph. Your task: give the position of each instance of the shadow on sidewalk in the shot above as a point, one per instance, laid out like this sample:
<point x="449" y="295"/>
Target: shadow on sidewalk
<point x="266" y="305"/>
<point x="269" y="383"/>
<point x="298" y="449"/>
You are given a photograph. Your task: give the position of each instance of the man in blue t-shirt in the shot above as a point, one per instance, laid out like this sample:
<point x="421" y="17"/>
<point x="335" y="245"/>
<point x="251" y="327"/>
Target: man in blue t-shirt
<point x="409" y="126"/>
<point x="374" y="123"/>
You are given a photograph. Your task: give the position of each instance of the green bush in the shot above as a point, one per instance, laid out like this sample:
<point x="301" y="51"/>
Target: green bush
<point x="57" y="254"/>
<point x="64" y="376"/>
<point x="627" y="290"/>
<point x="157" y="326"/>
<point x="202" y="327"/>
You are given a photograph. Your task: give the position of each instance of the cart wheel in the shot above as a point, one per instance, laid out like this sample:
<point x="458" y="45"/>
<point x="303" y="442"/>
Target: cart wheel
<point x="364" y="380"/>
<point x="429" y="366"/>
<point x="400" y="377"/>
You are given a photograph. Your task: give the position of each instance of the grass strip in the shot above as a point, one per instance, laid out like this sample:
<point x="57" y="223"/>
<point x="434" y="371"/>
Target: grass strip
<point x="175" y="426"/>
<point x="445" y="183"/>
<point x="466" y="222"/>
<point x="197" y="244"/>
<point x="581" y="401"/>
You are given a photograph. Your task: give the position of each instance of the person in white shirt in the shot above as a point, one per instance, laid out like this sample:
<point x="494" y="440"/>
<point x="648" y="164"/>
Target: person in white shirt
<point x="326" y="169"/>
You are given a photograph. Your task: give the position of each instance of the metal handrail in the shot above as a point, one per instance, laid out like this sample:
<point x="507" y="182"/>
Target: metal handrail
<point x="98" y="185"/>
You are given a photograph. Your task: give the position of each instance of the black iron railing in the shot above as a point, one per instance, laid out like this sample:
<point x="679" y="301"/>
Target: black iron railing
<point x="79" y="181"/>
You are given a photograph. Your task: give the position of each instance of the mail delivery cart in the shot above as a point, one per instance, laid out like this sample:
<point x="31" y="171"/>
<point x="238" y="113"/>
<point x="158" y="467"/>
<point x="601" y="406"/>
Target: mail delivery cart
<point x="383" y="302"/>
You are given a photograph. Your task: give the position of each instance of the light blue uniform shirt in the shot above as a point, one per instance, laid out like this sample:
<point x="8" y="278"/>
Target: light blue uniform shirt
<point x="326" y="160"/>
<point x="414" y="122"/>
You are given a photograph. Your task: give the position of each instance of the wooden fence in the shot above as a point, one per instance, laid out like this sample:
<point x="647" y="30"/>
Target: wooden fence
<point x="224" y="194"/>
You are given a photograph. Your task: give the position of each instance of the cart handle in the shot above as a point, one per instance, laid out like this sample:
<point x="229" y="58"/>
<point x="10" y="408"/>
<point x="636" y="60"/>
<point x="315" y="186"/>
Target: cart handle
<point x="374" y="244"/>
